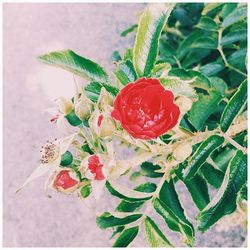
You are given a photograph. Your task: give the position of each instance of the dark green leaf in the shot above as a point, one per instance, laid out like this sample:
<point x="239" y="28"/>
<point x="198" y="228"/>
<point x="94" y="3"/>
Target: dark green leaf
<point x="66" y="159"/>
<point x="201" y="155"/>
<point x="126" y="237"/>
<point x="208" y="105"/>
<point x="237" y="59"/>
<point x="227" y="9"/>
<point x="210" y="7"/>
<point x="69" y="60"/>
<point x="207" y="23"/>
<point x="154" y="235"/>
<point x="147" y="187"/>
<point x="204" y="43"/>
<point x="148" y="169"/>
<point x="146" y="45"/>
<point x="125" y="193"/>
<point x="107" y="220"/>
<point x="132" y="28"/>
<point x="173" y="222"/>
<point x="213" y="176"/>
<point x="212" y="69"/>
<point x="127" y="206"/>
<point x="234" y="106"/>
<point x="234" y="36"/>
<point x="224" y="202"/>
<point x="73" y="119"/>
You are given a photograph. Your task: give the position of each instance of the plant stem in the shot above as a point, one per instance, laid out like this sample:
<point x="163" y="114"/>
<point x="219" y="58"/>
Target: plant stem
<point x="234" y="143"/>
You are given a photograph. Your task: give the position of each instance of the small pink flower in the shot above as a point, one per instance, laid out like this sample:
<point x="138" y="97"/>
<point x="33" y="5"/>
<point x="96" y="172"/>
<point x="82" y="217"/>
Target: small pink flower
<point x="95" y="167"/>
<point x="64" y="180"/>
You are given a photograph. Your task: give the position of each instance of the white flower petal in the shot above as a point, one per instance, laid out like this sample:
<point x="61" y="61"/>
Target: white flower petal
<point x="64" y="143"/>
<point x="51" y="111"/>
<point x="39" y="171"/>
<point x="64" y="126"/>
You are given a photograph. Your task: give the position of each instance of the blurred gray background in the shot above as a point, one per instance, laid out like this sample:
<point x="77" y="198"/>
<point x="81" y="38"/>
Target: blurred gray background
<point x="30" y="219"/>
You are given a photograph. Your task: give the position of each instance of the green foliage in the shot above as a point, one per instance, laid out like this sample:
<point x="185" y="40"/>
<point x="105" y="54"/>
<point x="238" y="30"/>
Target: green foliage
<point x="66" y="159"/>
<point x="69" y="60"/>
<point x="85" y="191"/>
<point x="126" y="237"/>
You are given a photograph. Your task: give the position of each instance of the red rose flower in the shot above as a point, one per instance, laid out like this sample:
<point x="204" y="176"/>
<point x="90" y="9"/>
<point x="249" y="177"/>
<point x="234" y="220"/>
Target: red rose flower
<point x="95" y="167"/>
<point x="64" y="180"/>
<point x="145" y="109"/>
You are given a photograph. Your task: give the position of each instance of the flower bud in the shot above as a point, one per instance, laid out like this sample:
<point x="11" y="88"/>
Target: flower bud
<point x="102" y="124"/>
<point x="65" y="106"/>
<point x="182" y="151"/>
<point x="83" y="107"/>
<point x="66" y="182"/>
<point x="105" y="98"/>
<point x="184" y="103"/>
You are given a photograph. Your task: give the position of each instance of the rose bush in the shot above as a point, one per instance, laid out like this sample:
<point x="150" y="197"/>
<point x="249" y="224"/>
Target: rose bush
<point x="145" y="109"/>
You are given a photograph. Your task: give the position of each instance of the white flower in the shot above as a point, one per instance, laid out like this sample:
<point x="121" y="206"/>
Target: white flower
<point x="50" y="157"/>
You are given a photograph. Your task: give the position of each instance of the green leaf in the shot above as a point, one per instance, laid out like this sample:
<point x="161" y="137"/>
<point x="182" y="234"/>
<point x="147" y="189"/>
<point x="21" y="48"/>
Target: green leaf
<point x="173" y="222"/>
<point x="169" y="196"/>
<point x="234" y="36"/>
<point x="116" y="231"/>
<point x="223" y="158"/>
<point x="237" y="15"/>
<point x="125" y="72"/>
<point x="196" y="78"/>
<point x="132" y="28"/>
<point x="69" y="60"/>
<point x="85" y="191"/>
<point x="237" y="59"/>
<point x="201" y="155"/>
<point x="208" y="105"/>
<point x="125" y="193"/>
<point x="159" y="69"/>
<point x="85" y="147"/>
<point x="127" y="206"/>
<point x="146" y="45"/>
<point x="148" y="187"/>
<point x="204" y="43"/>
<point x="234" y="106"/>
<point x="207" y="23"/>
<point x="184" y="46"/>
<point x="73" y="119"/>
<point x="210" y="7"/>
<point x="116" y="57"/>
<point x="66" y="159"/>
<point x="148" y="169"/>
<point x="224" y="202"/>
<point x="212" y="69"/>
<point x="126" y="237"/>
<point x="219" y="84"/>
<point x="178" y="87"/>
<point x="198" y="189"/>
<point x="107" y="220"/>
<point x="227" y="9"/>
<point x="213" y="176"/>
<point x="154" y="235"/>
<point x="93" y="90"/>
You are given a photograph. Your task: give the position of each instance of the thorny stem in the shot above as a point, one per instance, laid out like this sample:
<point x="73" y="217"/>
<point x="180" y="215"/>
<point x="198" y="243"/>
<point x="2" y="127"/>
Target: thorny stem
<point x="219" y="48"/>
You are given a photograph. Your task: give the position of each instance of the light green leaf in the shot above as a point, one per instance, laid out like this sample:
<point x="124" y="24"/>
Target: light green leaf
<point x="126" y="237"/>
<point x="178" y="87"/>
<point x="146" y="45"/>
<point x="234" y="106"/>
<point x="69" y="60"/>
<point x="227" y="9"/>
<point x="234" y="36"/>
<point x="201" y="155"/>
<point x="125" y="193"/>
<point x="125" y="72"/>
<point x="224" y="202"/>
<point x="107" y="220"/>
<point x="93" y="90"/>
<point x="207" y="23"/>
<point x="154" y="235"/>
<point x="85" y="191"/>
<point x="237" y="15"/>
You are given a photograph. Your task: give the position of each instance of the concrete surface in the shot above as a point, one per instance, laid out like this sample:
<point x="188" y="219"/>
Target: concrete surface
<point x="30" y="219"/>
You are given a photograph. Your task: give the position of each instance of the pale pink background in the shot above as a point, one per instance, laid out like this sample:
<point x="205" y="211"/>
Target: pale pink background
<point x="29" y="218"/>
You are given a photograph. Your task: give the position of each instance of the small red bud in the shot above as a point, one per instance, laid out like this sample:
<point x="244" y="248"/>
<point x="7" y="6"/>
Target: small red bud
<point x="95" y="167"/>
<point x="64" y="180"/>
